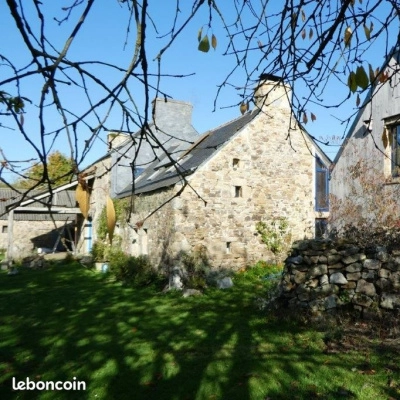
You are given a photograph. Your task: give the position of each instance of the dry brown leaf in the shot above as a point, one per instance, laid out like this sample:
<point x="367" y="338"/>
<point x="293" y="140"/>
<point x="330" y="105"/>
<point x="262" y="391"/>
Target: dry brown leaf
<point x="82" y="197"/>
<point x="385" y="139"/>
<point x="347" y="36"/>
<point x="111" y="219"/>
<point x="244" y="107"/>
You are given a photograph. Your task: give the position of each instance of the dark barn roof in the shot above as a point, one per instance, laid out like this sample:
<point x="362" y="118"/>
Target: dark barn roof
<point x="65" y="198"/>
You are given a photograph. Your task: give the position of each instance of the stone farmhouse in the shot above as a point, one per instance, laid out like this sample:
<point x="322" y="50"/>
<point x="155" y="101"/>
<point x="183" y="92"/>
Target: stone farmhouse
<point x="194" y="192"/>
<point x="365" y="180"/>
<point x="209" y="192"/>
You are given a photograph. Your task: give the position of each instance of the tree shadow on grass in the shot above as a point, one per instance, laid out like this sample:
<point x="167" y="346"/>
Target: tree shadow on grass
<point x="134" y="344"/>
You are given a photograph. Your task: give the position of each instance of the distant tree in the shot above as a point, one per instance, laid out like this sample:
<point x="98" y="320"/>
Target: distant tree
<point x="59" y="170"/>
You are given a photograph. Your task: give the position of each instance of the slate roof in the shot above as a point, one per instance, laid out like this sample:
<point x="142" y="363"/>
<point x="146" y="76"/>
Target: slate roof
<point x="162" y="173"/>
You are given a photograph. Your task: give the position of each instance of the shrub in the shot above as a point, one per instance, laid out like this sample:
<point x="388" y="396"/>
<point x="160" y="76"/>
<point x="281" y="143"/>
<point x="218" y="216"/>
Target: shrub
<point x="197" y="267"/>
<point x="98" y="251"/>
<point x="275" y="234"/>
<point x="102" y="250"/>
<point x="130" y="270"/>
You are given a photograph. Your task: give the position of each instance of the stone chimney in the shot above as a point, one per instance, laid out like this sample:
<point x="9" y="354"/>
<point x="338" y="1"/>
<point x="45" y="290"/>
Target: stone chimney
<point x="272" y="92"/>
<point x="115" y="139"/>
<point x="173" y="119"/>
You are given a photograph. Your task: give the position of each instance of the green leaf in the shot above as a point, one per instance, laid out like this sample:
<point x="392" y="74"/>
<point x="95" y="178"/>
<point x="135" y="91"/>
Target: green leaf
<point x="17" y="103"/>
<point x="367" y="32"/>
<point x="362" y="78"/>
<point x="347" y="36"/>
<point x="371" y="74"/>
<point x="204" y="44"/>
<point x="199" y="34"/>
<point x="213" y="42"/>
<point x="352" y="82"/>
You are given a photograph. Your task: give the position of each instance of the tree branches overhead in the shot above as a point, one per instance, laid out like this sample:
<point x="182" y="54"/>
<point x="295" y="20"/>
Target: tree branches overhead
<point x="71" y="74"/>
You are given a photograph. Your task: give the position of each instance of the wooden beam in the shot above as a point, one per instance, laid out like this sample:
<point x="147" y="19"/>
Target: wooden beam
<point x="45" y="210"/>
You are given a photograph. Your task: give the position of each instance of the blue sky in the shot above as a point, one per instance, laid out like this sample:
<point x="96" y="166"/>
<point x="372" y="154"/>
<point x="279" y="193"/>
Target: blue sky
<point x="103" y="37"/>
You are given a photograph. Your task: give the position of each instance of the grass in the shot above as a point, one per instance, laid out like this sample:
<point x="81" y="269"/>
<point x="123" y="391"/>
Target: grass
<point x="126" y="343"/>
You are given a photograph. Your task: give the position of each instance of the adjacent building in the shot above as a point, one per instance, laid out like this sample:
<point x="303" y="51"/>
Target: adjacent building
<point x="365" y="179"/>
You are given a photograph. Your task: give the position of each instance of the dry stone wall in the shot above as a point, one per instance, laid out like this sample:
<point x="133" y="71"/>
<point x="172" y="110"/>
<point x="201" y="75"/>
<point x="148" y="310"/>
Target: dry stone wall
<point x="323" y="275"/>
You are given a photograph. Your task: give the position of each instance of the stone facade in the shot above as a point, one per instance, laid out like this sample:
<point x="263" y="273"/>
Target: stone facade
<point x="29" y="235"/>
<point x="364" y="191"/>
<point x="259" y="174"/>
<point x="326" y="275"/>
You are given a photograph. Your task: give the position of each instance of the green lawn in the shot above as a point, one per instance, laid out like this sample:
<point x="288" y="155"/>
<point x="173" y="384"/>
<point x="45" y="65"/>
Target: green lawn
<point x="66" y="322"/>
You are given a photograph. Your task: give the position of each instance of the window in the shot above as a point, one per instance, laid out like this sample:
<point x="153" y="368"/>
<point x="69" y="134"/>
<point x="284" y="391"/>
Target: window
<point x="238" y="191"/>
<point x="4" y="229"/>
<point x="321" y="186"/>
<point x="228" y="247"/>
<point x="235" y="163"/>
<point x="395" y="156"/>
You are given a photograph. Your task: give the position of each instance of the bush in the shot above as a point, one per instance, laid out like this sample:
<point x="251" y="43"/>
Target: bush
<point x="130" y="270"/>
<point x="99" y="251"/>
<point x="276" y="235"/>
<point x="102" y="250"/>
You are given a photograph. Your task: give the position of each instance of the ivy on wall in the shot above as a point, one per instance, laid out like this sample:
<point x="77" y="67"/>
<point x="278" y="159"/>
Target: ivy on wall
<point x="121" y="207"/>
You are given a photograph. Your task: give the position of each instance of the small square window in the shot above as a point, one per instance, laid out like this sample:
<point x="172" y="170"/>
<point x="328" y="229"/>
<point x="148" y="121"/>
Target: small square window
<point x="228" y="247"/>
<point x="4" y="229"/>
<point x="238" y="191"/>
<point x="235" y="163"/>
